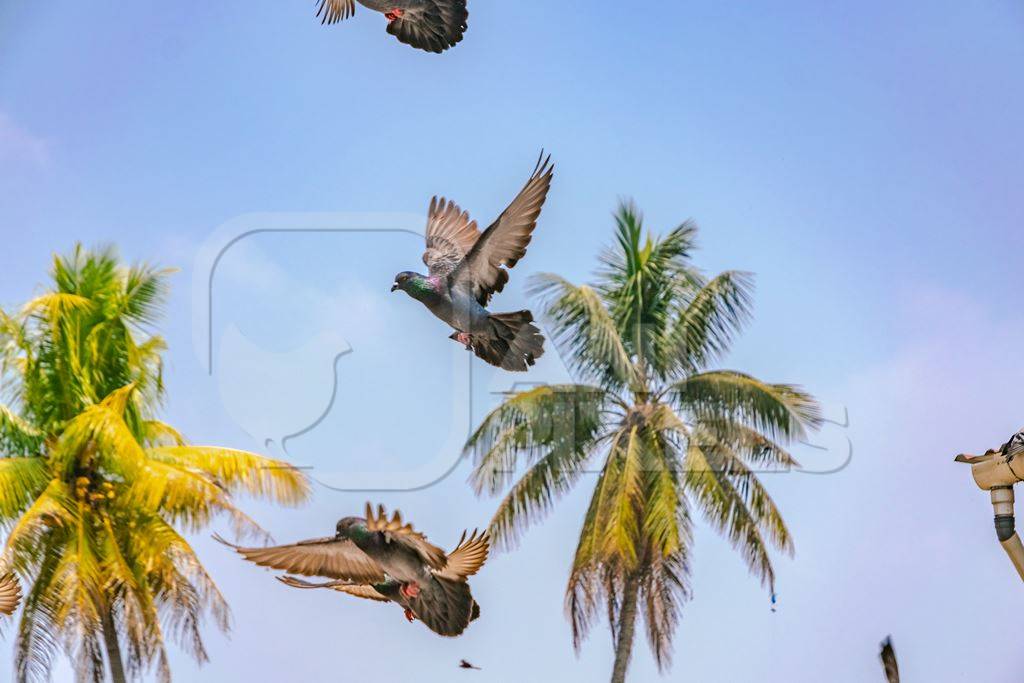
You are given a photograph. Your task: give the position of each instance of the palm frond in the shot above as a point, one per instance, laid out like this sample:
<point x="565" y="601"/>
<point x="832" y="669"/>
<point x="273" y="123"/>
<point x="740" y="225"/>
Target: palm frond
<point x="22" y="480"/>
<point x="187" y="496"/>
<point x="645" y="283"/>
<point x="55" y="307"/>
<point x="240" y="471"/>
<point x="182" y="584"/>
<point x="39" y="638"/>
<point x="666" y="530"/>
<point x="584" y="331"/>
<point x="607" y="550"/>
<point x="17" y="436"/>
<point x="664" y="588"/>
<point x="157" y="433"/>
<point x="52" y="509"/>
<point x="533" y="495"/>
<point x="586" y="587"/>
<point x="99" y="436"/>
<point x="619" y="518"/>
<point x="756" y="449"/>
<point x="144" y="292"/>
<point x="127" y="589"/>
<point x="778" y="410"/>
<point x="530" y="424"/>
<point x="737" y="506"/>
<point x="704" y="327"/>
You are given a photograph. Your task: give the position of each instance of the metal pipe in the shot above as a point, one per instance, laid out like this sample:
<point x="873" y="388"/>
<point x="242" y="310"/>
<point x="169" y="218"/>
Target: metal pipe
<point x="1002" y="506"/>
<point x="996" y="471"/>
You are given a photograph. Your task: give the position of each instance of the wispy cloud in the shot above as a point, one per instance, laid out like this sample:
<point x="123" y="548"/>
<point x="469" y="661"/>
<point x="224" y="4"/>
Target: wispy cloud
<point x="354" y="305"/>
<point x="21" y="146"/>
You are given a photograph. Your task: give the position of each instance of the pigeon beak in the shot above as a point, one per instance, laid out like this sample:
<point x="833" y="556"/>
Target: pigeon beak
<point x="394" y="287"/>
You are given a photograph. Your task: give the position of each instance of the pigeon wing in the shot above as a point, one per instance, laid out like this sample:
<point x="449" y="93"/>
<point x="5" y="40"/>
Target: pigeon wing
<point x="450" y="236"/>
<point x="501" y="246"/>
<point x="398" y="531"/>
<point x="333" y="11"/>
<point x="10" y="594"/>
<point x="468" y="557"/>
<point x="888" y="656"/>
<point x="365" y="592"/>
<point x="332" y="557"/>
<point x="359" y="591"/>
<point x="434" y="26"/>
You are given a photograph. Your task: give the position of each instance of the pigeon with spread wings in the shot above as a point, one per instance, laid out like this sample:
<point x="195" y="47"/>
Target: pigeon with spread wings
<point x="431" y="25"/>
<point x="467" y="267"/>
<point x="386" y="560"/>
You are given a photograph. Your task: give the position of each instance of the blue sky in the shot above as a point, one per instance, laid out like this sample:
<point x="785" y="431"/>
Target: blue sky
<point x="865" y="162"/>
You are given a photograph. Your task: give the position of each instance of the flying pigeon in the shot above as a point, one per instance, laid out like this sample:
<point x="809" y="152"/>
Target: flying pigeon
<point x="466" y="665"/>
<point x="10" y="594"/>
<point x="888" y="657"/>
<point x="385" y="559"/>
<point x="466" y="267"/>
<point x="431" y="25"/>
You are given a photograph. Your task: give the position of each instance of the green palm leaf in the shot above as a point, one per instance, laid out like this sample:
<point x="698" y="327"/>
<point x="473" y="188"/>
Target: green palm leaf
<point x="584" y="331"/>
<point x="22" y="480"/>
<point x="240" y="471"/>
<point x="551" y="429"/>
<point x="779" y="410"/>
<point x="705" y="327"/>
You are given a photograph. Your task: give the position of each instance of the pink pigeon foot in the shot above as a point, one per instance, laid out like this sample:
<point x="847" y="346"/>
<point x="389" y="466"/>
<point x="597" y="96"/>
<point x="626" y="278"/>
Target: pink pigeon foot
<point x="410" y="590"/>
<point x="395" y="13"/>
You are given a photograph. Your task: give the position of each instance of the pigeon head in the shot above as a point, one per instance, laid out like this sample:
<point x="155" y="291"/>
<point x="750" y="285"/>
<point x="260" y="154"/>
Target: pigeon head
<point x="417" y="286"/>
<point x="403" y="281"/>
<point x="352" y="527"/>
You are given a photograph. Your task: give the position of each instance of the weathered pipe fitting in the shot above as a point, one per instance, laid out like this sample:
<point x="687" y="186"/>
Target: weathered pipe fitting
<point x="1004" y="527"/>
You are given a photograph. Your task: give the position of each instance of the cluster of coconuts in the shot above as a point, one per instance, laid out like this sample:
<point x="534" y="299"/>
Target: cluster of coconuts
<point x="104" y="492"/>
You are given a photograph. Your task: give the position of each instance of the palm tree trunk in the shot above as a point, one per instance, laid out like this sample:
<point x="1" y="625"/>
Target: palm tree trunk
<point x="626" y="630"/>
<point x="113" y="648"/>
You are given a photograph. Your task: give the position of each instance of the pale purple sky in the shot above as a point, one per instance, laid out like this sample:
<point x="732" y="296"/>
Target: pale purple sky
<point x="865" y="162"/>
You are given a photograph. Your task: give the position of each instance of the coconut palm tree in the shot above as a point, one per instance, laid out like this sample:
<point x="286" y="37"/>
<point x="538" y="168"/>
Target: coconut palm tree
<point x="669" y="437"/>
<point x="96" y="492"/>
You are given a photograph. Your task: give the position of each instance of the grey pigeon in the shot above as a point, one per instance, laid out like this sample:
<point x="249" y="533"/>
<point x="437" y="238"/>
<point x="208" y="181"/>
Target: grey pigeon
<point x="387" y="560"/>
<point x="431" y="25"/>
<point x="466" y="267"/>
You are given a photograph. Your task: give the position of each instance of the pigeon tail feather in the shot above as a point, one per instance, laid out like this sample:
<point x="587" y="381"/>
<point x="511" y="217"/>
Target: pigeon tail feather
<point x="444" y="606"/>
<point x="514" y="343"/>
